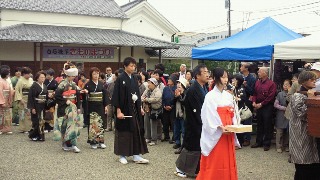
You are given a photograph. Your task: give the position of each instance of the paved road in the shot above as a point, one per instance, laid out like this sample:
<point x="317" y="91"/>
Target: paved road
<point x="21" y="158"/>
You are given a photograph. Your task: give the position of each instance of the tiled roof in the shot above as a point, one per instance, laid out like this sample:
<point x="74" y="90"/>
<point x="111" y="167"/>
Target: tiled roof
<point x="130" y="5"/>
<point x="104" y="8"/>
<point x="76" y="35"/>
<point x="184" y="51"/>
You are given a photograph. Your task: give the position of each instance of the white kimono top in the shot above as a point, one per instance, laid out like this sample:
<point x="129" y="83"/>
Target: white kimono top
<point x="210" y="134"/>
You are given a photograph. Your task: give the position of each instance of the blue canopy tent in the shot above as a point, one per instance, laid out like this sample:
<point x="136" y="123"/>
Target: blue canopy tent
<point x="253" y="44"/>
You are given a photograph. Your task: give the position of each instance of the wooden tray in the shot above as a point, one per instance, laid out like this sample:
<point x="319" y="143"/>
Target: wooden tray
<point x="239" y="128"/>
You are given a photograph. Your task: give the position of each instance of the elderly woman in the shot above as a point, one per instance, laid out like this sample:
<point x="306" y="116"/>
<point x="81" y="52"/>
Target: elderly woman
<point x="97" y="106"/>
<point x="38" y="95"/>
<point x="153" y="98"/>
<point x="303" y="148"/>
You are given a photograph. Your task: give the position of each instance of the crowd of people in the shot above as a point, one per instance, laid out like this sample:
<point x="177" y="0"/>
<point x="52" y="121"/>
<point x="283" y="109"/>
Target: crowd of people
<point x="142" y="107"/>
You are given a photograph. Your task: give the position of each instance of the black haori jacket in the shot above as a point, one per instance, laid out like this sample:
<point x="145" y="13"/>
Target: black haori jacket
<point x="124" y="87"/>
<point x="193" y="124"/>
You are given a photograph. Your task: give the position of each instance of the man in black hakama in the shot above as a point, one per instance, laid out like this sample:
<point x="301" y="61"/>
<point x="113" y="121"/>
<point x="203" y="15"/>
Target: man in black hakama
<point x="129" y="132"/>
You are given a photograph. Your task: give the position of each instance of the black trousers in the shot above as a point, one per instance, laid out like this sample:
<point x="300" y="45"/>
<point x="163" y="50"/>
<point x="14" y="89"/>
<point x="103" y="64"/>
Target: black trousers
<point x="318" y="145"/>
<point x="240" y="137"/>
<point x="167" y="121"/>
<point x="307" y="171"/>
<point x="265" y="125"/>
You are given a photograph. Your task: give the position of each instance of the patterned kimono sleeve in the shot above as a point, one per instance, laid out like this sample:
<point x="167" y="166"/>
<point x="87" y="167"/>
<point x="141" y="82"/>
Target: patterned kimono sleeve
<point x="299" y="107"/>
<point x="2" y="99"/>
<point x="18" y="92"/>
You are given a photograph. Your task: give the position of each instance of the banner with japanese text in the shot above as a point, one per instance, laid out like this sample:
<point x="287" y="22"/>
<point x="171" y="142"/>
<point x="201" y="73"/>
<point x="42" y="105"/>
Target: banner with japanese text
<point x="78" y="52"/>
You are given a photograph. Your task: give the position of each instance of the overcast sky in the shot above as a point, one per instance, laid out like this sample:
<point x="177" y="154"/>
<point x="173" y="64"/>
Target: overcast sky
<point x="302" y="16"/>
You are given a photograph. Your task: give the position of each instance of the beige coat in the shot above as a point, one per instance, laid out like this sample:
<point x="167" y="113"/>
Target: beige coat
<point x="153" y="97"/>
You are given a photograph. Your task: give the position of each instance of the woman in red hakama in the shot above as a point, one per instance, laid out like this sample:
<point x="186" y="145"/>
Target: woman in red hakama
<point x="218" y="161"/>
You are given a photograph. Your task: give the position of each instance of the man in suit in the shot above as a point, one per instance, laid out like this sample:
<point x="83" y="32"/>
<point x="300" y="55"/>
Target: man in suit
<point x="188" y="161"/>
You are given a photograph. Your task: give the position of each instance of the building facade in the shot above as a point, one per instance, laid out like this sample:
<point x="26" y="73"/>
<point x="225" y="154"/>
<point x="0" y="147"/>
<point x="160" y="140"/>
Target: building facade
<point x="44" y="34"/>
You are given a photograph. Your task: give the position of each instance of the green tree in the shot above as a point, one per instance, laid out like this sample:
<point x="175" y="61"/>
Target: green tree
<point x="231" y="67"/>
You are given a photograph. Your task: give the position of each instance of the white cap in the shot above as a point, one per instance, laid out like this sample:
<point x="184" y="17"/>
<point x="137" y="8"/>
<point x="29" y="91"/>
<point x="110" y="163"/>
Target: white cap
<point x="184" y="82"/>
<point x="316" y="66"/>
<point x="71" y="72"/>
<point x="154" y="81"/>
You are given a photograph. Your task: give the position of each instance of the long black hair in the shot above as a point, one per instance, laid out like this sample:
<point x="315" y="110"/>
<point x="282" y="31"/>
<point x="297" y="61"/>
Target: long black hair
<point x="239" y="79"/>
<point x="217" y="73"/>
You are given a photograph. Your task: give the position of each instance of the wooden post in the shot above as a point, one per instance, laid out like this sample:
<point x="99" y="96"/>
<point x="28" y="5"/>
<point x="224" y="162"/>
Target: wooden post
<point x="41" y="56"/>
<point x="119" y="57"/>
<point x="34" y="55"/>
<point x="160" y="55"/>
<point x="132" y="51"/>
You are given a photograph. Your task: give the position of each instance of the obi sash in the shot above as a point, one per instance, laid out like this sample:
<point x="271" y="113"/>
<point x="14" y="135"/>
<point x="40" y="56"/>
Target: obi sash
<point x="95" y="96"/>
<point x="25" y="92"/>
<point x="41" y="98"/>
<point x="70" y="95"/>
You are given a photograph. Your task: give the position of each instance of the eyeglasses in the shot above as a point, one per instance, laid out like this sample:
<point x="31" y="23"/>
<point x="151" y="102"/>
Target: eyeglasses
<point x="108" y="69"/>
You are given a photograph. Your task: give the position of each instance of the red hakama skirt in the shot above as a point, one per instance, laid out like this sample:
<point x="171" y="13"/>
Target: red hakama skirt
<point x="221" y="162"/>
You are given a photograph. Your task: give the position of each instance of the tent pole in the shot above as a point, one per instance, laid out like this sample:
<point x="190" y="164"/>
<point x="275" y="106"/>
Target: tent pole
<point x="271" y="72"/>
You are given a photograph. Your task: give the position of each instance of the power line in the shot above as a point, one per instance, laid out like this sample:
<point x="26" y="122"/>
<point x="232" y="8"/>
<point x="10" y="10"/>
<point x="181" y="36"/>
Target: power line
<point x="280" y="14"/>
<point x="288" y="7"/>
<point x="307" y="27"/>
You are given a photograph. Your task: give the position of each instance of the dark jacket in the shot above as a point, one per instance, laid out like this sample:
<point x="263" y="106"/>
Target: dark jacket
<point x="168" y="96"/>
<point x="124" y="87"/>
<point x="193" y="123"/>
<point x="249" y="88"/>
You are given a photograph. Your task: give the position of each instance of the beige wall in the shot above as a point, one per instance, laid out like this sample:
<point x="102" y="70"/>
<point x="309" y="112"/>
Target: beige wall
<point x="24" y="51"/>
<point x="12" y="17"/>
<point x="16" y="51"/>
<point x="149" y="27"/>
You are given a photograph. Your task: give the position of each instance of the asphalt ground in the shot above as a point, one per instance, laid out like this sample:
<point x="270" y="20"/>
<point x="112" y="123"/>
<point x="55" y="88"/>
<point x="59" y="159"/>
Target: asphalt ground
<point x="21" y="158"/>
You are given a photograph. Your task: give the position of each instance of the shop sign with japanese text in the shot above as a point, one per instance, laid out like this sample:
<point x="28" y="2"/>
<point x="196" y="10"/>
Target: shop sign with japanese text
<point x="78" y="52"/>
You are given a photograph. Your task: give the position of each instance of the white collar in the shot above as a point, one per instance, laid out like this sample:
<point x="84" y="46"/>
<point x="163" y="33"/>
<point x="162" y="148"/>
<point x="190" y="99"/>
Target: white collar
<point x="41" y="85"/>
<point x="95" y="82"/>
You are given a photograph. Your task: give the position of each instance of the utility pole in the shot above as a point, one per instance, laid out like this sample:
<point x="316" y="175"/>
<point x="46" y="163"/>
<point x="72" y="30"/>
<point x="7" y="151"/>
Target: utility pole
<point x="229" y="16"/>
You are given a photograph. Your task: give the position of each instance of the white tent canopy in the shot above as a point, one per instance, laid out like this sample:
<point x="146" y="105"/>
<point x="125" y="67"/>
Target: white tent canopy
<point x="306" y="48"/>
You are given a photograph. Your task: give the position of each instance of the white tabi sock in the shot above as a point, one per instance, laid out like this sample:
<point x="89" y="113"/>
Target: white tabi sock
<point x="137" y="158"/>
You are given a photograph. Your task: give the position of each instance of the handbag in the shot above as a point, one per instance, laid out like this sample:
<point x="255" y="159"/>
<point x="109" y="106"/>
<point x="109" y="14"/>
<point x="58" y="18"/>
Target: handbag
<point x="156" y="114"/>
<point x="245" y="113"/>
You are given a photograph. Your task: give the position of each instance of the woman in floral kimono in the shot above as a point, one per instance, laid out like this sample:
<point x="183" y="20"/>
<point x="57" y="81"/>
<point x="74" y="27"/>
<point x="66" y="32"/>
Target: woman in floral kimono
<point x="5" y="102"/>
<point x="68" y="99"/>
<point x="97" y="108"/>
<point x="38" y="95"/>
<point x="21" y="96"/>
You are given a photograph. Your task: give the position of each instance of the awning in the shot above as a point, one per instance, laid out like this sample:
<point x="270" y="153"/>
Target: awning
<point x="302" y="48"/>
<point x="79" y="35"/>
<point x="253" y="44"/>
